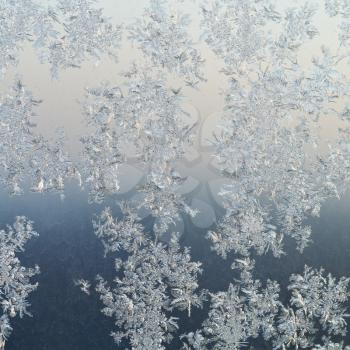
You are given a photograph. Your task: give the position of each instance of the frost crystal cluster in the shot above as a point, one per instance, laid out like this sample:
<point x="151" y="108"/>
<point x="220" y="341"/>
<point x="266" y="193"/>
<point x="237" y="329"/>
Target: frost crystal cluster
<point x="268" y="147"/>
<point x="268" y="144"/>
<point x="247" y="310"/>
<point x="25" y="154"/>
<point x="153" y="280"/>
<point x="162" y="36"/>
<point x="15" y="279"/>
<point x="64" y="35"/>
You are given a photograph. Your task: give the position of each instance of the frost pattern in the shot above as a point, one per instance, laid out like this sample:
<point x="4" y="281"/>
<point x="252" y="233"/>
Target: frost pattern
<point x="64" y="35"/>
<point x="25" y="154"/>
<point x="162" y="35"/>
<point x="149" y="119"/>
<point x="269" y="124"/>
<point x="15" y="279"/>
<point x="268" y="147"/>
<point x="340" y="8"/>
<point x="248" y="310"/>
<point x="152" y="281"/>
<point x="84" y="33"/>
<point x="18" y="25"/>
<point x="315" y="297"/>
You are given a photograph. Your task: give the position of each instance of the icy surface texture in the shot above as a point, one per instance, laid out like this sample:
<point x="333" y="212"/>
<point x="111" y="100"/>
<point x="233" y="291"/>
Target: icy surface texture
<point x="15" y="279"/>
<point x="162" y="35"/>
<point x="268" y="147"/>
<point x="268" y="142"/>
<point x="64" y="35"/>
<point x="152" y="281"/>
<point x="24" y="154"/>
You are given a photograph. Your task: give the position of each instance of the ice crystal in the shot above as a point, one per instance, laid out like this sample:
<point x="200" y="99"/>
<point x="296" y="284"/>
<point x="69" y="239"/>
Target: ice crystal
<point x="64" y="35"/>
<point x="272" y="111"/>
<point x="270" y="122"/>
<point x="233" y="29"/>
<point x="15" y="284"/>
<point x="162" y="35"/>
<point x="21" y="21"/>
<point x="25" y="154"/>
<point x="340" y="8"/>
<point x="147" y="117"/>
<point x="152" y="280"/>
<point x="84" y="285"/>
<point x="164" y="201"/>
<point x="125" y="234"/>
<point x="84" y="33"/>
<point x="244" y="311"/>
<point x="314" y="297"/>
<point x="248" y="310"/>
<point x="268" y="147"/>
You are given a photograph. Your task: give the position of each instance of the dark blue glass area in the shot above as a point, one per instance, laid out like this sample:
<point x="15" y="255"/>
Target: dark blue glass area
<point x="67" y="249"/>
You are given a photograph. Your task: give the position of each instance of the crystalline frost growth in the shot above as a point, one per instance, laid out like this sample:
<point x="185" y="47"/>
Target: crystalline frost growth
<point x="248" y="310"/>
<point x="147" y="117"/>
<point x="272" y="109"/>
<point x="64" y="35"/>
<point x="162" y="35"/>
<point x="152" y="281"/>
<point x="15" y="284"/>
<point x="24" y="154"/>
<point x="270" y="124"/>
<point x="83" y="34"/>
